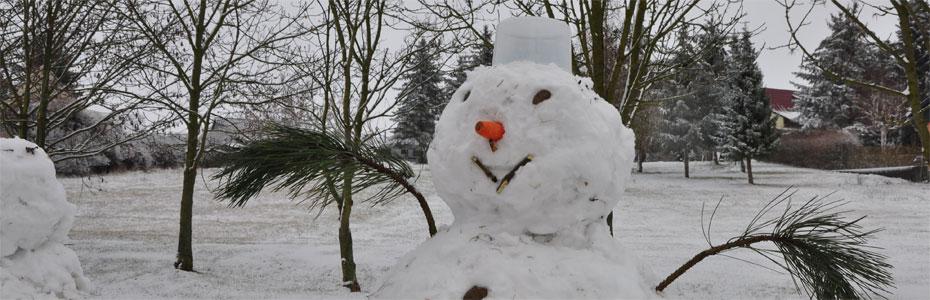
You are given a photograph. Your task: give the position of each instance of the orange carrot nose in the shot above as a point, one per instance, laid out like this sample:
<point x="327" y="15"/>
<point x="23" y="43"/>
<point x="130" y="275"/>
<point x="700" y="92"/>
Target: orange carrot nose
<point x="491" y="130"/>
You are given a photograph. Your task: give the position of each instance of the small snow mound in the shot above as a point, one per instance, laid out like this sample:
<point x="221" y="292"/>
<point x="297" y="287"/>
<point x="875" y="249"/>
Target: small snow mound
<point x="35" y="218"/>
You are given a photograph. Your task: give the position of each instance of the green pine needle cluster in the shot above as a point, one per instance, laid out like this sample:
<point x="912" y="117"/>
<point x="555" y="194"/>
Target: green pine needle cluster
<point x="312" y="165"/>
<point x="826" y="254"/>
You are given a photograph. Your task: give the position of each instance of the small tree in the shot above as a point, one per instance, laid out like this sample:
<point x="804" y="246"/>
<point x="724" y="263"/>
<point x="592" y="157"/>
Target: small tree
<point x="355" y="72"/>
<point x="420" y="103"/>
<point x="711" y="80"/>
<point x="210" y="56"/>
<point x="879" y="110"/>
<point x="680" y="131"/>
<point x="749" y="126"/>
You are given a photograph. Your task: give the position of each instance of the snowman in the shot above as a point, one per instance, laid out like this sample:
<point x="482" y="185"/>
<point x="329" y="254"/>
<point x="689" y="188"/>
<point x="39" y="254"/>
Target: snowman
<point x="530" y="161"/>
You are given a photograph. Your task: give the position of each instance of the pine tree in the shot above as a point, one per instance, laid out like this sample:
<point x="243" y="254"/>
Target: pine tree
<point x="749" y="126"/>
<point x="456" y="77"/>
<point x="711" y="86"/>
<point x="680" y="125"/>
<point x="826" y="102"/>
<point x="480" y="55"/>
<point x="484" y="52"/>
<point x="421" y="97"/>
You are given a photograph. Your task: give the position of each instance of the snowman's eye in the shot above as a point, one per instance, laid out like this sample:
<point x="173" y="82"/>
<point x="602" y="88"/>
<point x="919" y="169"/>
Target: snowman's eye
<point x="541" y="96"/>
<point x="467" y="93"/>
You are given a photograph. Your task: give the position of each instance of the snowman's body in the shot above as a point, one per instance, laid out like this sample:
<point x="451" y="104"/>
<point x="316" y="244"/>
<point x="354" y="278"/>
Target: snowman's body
<point x="542" y="234"/>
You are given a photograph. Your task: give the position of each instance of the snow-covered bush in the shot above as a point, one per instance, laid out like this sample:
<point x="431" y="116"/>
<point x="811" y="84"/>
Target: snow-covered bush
<point x="143" y="154"/>
<point x="35" y="218"/>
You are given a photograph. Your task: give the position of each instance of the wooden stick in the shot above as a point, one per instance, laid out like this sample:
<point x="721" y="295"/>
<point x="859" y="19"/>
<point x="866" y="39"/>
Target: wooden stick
<point x="509" y="176"/>
<point x="484" y="169"/>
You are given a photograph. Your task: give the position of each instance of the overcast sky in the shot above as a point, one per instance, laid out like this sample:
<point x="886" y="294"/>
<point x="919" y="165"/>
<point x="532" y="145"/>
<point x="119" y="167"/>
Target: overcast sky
<point x="779" y="64"/>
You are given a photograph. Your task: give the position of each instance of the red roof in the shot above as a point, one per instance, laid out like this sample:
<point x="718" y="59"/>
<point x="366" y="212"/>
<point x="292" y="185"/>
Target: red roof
<point x="780" y="99"/>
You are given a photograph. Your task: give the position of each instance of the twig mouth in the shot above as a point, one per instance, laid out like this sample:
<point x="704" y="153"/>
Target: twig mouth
<point x="487" y="172"/>
<point x="507" y="178"/>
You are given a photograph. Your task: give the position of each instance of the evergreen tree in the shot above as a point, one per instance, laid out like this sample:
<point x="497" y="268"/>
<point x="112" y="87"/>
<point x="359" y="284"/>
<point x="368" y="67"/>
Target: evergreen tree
<point x="826" y="102"/>
<point x="680" y="129"/>
<point x="484" y="52"/>
<point x="480" y="55"/>
<point x="455" y="78"/>
<point x="749" y="126"/>
<point x="420" y="99"/>
<point x="711" y="85"/>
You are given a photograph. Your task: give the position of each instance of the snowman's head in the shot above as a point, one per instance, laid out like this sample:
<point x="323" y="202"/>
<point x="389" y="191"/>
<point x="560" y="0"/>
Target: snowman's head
<point x="563" y="158"/>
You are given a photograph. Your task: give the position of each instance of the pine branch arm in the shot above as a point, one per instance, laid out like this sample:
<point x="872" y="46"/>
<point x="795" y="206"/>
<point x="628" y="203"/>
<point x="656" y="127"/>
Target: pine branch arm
<point x="399" y="179"/>
<point x="742" y="242"/>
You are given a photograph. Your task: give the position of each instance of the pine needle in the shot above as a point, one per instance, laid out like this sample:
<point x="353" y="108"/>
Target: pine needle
<point x="825" y="254"/>
<point x="311" y="165"/>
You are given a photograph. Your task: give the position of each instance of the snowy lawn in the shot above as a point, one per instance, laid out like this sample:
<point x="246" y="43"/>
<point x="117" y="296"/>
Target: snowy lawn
<point x="126" y="234"/>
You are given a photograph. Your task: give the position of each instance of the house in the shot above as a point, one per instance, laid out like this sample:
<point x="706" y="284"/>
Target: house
<point x="782" y="102"/>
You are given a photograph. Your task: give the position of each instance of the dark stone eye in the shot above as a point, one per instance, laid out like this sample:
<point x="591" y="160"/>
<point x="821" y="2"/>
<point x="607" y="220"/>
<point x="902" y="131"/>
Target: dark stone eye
<point x="541" y="96"/>
<point x="467" y="93"/>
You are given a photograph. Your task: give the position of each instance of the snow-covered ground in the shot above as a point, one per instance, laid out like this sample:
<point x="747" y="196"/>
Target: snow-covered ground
<point x="126" y="234"/>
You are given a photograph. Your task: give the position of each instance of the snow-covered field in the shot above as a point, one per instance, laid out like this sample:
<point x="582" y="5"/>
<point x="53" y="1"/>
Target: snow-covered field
<point x="126" y="234"/>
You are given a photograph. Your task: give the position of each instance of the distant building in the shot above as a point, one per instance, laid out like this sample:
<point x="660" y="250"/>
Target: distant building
<point x="782" y="102"/>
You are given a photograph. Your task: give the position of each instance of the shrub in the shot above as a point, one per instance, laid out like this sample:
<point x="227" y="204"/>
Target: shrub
<point x="837" y="149"/>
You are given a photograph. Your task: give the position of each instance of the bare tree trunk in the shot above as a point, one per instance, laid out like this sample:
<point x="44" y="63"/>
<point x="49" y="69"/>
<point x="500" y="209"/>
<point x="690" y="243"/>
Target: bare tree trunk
<point x="349" y="279"/>
<point x="715" y="157"/>
<point x="28" y="66"/>
<point x="913" y="80"/>
<point x="44" y="91"/>
<point x="685" y="159"/>
<point x="185" y="256"/>
<point x="749" y="169"/>
<point x="742" y="166"/>
<point x="639" y="161"/>
<point x="884" y="136"/>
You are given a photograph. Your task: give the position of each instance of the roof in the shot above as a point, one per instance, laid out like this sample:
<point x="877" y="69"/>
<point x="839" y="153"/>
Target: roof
<point x="788" y="114"/>
<point x="780" y="99"/>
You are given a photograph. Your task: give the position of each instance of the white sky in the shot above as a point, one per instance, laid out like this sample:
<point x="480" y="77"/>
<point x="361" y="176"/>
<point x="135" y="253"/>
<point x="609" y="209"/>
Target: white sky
<point x="778" y="64"/>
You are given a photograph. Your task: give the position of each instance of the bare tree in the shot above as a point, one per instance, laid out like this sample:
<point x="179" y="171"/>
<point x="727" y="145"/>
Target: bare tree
<point x="357" y="75"/>
<point x="212" y="57"/>
<point x="63" y="65"/>
<point x="904" y="55"/>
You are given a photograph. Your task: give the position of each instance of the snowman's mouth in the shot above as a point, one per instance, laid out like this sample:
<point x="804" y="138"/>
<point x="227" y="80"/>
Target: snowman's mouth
<point x="508" y="177"/>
